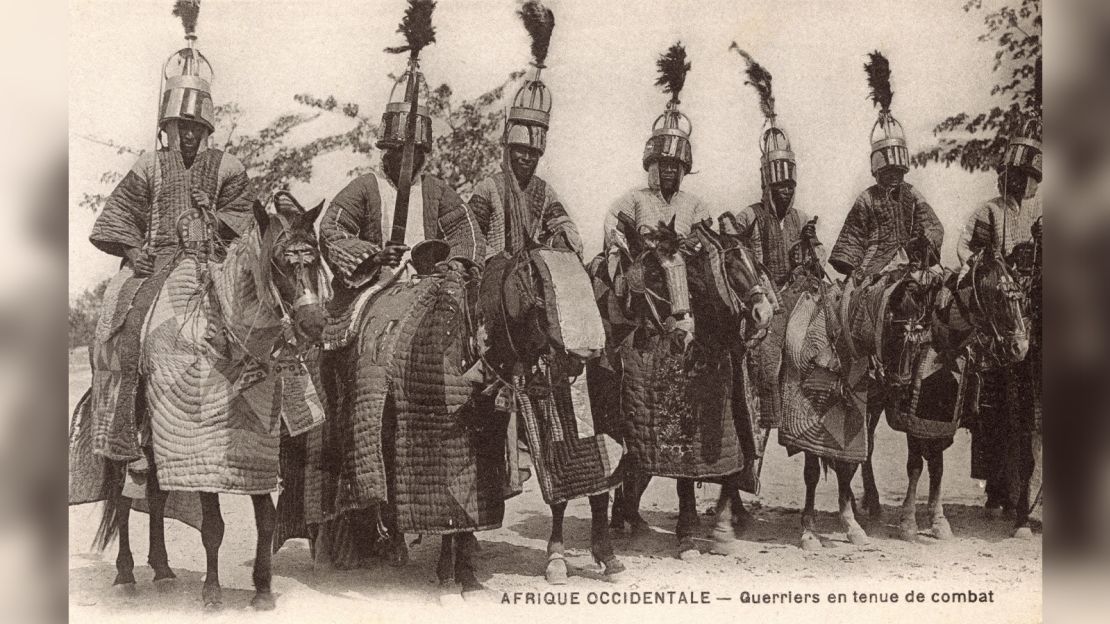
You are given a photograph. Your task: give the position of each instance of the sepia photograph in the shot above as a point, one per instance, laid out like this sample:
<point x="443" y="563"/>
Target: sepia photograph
<point x="397" y="310"/>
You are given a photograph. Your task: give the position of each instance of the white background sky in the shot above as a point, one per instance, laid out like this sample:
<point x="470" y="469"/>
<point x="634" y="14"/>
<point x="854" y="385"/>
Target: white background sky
<point x="601" y="71"/>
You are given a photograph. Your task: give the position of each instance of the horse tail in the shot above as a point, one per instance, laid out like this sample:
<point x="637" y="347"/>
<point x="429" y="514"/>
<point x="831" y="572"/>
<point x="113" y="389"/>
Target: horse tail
<point x="111" y="490"/>
<point x="826" y="463"/>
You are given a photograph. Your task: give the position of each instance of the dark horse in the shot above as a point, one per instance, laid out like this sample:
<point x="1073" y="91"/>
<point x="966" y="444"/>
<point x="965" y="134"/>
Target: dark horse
<point x="270" y="283"/>
<point x="944" y="332"/>
<point x="526" y="344"/>
<point x="732" y="305"/>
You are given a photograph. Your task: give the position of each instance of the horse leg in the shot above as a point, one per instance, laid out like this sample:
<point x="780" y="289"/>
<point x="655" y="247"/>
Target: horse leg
<point x="1020" y="473"/>
<point x="844" y="473"/>
<point x="465" y="570"/>
<point x="158" y="557"/>
<point x="125" y="563"/>
<point x="600" y="546"/>
<point x="616" y="521"/>
<point x="556" y="570"/>
<point x="264" y="521"/>
<point x="687" y="519"/>
<point x="724" y="533"/>
<point x="935" y="457"/>
<point x="211" y="535"/>
<point x="634" y="487"/>
<point x="445" y="566"/>
<point x="811" y="472"/>
<point x="907" y="527"/>
<point x="871" y="502"/>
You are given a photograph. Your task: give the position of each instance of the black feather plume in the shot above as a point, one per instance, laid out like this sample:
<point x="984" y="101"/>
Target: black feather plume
<point x="539" y="21"/>
<point x="672" y="70"/>
<point x="760" y="78"/>
<point x="188" y="11"/>
<point x="878" y="78"/>
<point x="417" y="28"/>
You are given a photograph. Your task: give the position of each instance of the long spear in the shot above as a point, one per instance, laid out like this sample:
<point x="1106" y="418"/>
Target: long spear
<point x="417" y="28"/>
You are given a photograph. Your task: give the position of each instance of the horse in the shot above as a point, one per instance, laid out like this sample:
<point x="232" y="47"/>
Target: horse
<point x="732" y="304"/>
<point x="247" y="325"/>
<point x="945" y="331"/>
<point x="431" y="373"/>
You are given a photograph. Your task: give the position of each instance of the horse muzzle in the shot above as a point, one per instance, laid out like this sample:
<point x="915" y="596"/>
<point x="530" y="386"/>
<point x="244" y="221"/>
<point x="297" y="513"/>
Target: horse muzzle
<point x="762" y="313"/>
<point x="310" y="317"/>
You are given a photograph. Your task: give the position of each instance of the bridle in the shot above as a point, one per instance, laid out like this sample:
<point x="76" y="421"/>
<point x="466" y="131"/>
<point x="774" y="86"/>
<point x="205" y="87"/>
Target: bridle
<point x="1012" y="297"/>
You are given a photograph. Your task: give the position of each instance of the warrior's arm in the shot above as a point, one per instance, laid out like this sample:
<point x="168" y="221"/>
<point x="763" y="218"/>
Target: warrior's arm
<point x="974" y="235"/>
<point x="924" y="216"/>
<point x="749" y="235"/>
<point x="558" y="227"/>
<point x="233" y="203"/>
<point x="481" y="204"/>
<point x="854" y="234"/>
<point x="342" y="232"/>
<point x="459" y="226"/>
<point x="815" y="244"/>
<point x="123" y="223"/>
<point x="613" y="236"/>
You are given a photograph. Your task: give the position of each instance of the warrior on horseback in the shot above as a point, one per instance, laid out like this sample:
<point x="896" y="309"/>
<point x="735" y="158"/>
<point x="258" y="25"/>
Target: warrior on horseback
<point x="517" y="209"/>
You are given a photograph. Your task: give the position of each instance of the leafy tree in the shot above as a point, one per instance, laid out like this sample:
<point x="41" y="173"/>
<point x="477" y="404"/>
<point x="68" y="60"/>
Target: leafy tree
<point x="975" y="141"/>
<point x="83" y="315"/>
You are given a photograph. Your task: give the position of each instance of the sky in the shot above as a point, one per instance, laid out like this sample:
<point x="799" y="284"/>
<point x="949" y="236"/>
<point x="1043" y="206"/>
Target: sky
<point x="601" y="70"/>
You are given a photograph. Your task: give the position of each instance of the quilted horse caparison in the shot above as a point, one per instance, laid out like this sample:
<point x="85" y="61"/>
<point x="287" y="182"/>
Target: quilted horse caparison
<point x="408" y="431"/>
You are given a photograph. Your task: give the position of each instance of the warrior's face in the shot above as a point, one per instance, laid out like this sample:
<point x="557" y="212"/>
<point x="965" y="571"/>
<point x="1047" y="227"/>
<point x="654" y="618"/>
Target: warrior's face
<point x="391" y="162"/>
<point x="890" y="177"/>
<point x="669" y="174"/>
<point x="1016" y="184"/>
<point x="523" y="161"/>
<point x="191" y="133"/>
<point x="782" y="196"/>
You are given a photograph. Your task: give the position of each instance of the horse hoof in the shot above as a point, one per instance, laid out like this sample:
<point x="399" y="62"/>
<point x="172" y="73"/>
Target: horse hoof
<point x="166" y="584"/>
<point x="556" y="571"/>
<point x="725" y="543"/>
<point x="687" y="551"/>
<point x="611" y="566"/>
<point x="263" y="601"/>
<point x="810" y="541"/>
<point x="1023" y="533"/>
<point x="125" y="589"/>
<point x="858" y="537"/>
<point x="399" y="556"/>
<point x="941" y="529"/>
<point x="874" y="509"/>
<point x="213" y="598"/>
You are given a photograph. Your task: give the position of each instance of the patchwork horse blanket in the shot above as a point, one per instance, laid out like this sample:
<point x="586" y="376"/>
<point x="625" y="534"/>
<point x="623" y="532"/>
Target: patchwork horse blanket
<point x="407" y="431"/>
<point x="824" y="387"/>
<point x="677" y="412"/>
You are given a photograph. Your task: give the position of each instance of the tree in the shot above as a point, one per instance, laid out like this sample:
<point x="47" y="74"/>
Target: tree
<point x="975" y="142"/>
<point x="84" y="313"/>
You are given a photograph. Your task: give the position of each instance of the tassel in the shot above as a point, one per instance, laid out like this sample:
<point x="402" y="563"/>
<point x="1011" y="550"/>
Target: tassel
<point x="673" y="67"/>
<point x="188" y="11"/>
<point x="539" y="21"/>
<point x="760" y="78"/>
<point x="417" y="28"/>
<point x="878" y="78"/>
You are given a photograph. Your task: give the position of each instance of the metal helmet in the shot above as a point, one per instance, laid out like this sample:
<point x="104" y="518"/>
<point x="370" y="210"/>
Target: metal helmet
<point x="530" y="113"/>
<point x="888" y="138"/>
<point x="670" y="134"/>
<point x="186" y="81"/>
<point x="776" y="161"/>
<point x="395" y="117"/>
<point x="1024" y="149"/>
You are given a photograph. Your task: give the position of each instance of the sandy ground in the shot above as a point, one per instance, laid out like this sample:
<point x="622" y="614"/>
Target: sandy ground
<point x="982" y="557"/>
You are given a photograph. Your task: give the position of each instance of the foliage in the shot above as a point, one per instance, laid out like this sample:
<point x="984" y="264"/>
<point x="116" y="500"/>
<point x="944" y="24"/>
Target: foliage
<point x="975" y="141"/>
<point x="83" y="315"/>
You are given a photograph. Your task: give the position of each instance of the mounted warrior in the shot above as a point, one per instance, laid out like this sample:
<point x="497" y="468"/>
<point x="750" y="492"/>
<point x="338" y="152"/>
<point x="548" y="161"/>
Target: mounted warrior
<point x="1007" y="420"/>
<point x="784" y="239"/>
<point x="518" y="210"/>
<point x="384" y="235"/>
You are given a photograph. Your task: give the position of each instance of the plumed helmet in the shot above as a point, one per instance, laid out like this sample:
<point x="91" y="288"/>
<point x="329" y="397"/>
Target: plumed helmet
<point x="186" y="89"/>
<point x="530" y="113"/>
<point x="776" y="161"/>
<point x="395" y="117"/>
<point x="1023" y="151"/>
<point x="888" y="138"/>
<point x="670" y="134"/>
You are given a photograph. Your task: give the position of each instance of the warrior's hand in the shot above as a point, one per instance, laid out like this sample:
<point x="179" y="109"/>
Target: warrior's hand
<point x="200" y="198"/>
<point x="809" y="231"/>
<point x="141" y="263"/>
<point x="390" y="255"/>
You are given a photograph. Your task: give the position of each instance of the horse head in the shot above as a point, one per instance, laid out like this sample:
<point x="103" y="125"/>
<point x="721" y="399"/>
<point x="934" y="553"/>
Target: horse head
<point x="907" y="329"/>
<point x="998" y="307"/>
<point x="535" y="304"/>
<point x="291" y="265"/>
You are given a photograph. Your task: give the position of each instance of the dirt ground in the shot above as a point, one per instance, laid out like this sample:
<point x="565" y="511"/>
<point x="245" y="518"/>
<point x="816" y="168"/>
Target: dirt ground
<point x="982" y="558"/>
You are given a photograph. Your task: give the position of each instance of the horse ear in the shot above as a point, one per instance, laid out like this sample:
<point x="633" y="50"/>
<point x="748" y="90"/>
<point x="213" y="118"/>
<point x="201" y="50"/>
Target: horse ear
<point x="260" y="216"/>
<point x="308" y="219"/>
<point x="670" y="225"/>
